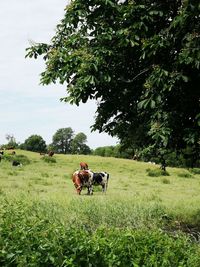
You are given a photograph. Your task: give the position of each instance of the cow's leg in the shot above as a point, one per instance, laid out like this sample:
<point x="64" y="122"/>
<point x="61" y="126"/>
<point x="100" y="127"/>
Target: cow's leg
<point x="90" y="190"/>
<point x="79" y="189"/>
<point x="103" y="187"/>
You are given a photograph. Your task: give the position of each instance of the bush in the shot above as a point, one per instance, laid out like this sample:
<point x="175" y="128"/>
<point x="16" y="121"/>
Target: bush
<point x="32" y="235"/>
<point x="48" y="159"/>
<point x="185" y="175"/>
<point x="21" y="158"/>
<point x="156" y="172"/>
<point x="195" y="170"/>
<point x="165" y="181"/>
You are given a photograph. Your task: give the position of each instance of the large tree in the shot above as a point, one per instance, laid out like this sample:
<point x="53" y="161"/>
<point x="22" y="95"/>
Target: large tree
<point x="62" y="139"/>
<point x="78" y="145"/>
<point x="35" y="143"/>
<point x="140" y="60"/>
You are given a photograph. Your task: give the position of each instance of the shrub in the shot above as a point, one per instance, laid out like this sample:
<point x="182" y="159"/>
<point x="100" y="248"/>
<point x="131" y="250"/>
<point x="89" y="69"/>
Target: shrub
<point x="195" y="170"/>
<point x="185" y="175"/>
<point x="156" y="172"/>
<point x="21" y="158"/>
<point x="48" y="159"/>
<point x="165" y="181"/>
<point x="32" y="235"/>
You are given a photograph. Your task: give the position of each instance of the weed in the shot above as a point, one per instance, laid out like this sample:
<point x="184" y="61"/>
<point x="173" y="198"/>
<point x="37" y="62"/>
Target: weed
<point x="156" y="172"/>
<point x="185" y="175"/>
<point x="165" y="181"/>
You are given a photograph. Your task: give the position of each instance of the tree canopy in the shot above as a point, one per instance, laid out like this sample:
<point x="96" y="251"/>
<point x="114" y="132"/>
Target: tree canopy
<point x="35" y="143"/>
<point x="78" y="145"/>
<point x="62" y="140"/>
<point x="139" y="59"/>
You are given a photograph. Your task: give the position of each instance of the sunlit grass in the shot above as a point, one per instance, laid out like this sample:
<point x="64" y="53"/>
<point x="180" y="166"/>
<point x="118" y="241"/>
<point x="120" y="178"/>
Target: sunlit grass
<point x="178" y="194"/>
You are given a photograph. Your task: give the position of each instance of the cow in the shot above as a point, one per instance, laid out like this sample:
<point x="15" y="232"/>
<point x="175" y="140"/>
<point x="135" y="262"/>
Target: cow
<point x="16" y="163"/>
<point x="84" y="166"/>
<point x="83" y="178"/>
<point x="10" y="148"/>
<point x="101" y="178"/>
<point x="50" y="153"/>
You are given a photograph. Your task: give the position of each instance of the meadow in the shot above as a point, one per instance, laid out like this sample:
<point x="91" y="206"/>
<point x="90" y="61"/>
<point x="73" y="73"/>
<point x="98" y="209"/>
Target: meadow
<point x="145" y="218"/>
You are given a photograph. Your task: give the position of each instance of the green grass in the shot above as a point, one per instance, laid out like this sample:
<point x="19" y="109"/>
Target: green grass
<point x="39" y="197"/>
<point x="129" y="181"/>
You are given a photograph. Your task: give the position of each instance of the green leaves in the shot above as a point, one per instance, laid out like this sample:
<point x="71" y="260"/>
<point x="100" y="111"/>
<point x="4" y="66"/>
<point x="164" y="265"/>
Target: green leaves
<point x="140" y="61"/>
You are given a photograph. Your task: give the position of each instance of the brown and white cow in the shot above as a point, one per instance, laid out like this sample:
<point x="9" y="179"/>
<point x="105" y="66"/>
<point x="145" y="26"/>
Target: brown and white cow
<point x="50" y="153"/>
<point x="84" y="166"/>
<point x="83" y="178"/>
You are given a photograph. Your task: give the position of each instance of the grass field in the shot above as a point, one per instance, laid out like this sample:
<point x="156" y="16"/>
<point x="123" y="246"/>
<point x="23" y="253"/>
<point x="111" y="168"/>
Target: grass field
<point x="39" y="200"/>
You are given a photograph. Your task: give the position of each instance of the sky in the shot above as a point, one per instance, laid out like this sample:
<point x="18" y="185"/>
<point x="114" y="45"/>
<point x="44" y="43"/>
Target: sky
<point x="26" y="107"/>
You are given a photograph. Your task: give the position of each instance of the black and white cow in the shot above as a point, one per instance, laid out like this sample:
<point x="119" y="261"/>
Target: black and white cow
<point x="16" y="163"/>
<point x="101" y="178"/>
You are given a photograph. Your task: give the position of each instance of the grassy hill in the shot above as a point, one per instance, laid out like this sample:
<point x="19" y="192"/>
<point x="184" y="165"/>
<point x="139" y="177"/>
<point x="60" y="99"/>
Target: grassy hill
<point x="39" y="202"/>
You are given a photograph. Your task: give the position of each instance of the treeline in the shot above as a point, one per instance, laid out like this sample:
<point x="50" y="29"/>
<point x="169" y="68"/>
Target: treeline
<point x="65" y="141"/>
<point x="184" y="158"/>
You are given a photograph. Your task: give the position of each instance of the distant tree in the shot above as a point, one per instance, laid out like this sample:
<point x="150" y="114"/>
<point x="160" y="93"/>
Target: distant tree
<point x="109" y="151"/>
<point x="62" y="140"/>
<point x="35" y="143"/>
<point x="99" y="151"/>
<point x="11" y="141"/>
<point x="78" y="144"/>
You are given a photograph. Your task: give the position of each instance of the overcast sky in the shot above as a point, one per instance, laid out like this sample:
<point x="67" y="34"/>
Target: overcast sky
<point x="26" y="107"/>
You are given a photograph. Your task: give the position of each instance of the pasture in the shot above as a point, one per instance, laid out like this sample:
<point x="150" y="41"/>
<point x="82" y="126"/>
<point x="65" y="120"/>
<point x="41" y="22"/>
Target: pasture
<point x="144" y="219"/>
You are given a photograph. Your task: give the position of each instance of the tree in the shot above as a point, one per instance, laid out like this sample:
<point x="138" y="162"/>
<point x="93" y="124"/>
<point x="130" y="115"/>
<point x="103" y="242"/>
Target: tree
<point x="11" y="141"/>
<point x="35" y="143"/>
<point x="78" y="145"/>
<point x="140" y="60"/>
<point x="62" y="140"/>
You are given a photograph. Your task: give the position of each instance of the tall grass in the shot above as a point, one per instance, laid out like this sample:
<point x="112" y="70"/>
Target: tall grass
<point x="136" y="223"/>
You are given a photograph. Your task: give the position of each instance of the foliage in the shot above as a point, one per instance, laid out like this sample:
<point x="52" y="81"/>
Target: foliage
<point x="139" y="60"/>
<point x="62" y="140"/>
<point x="21" y="158"/>
<point x="195" y="170"/>
<point x="35" y="143"/>
<point x="11" y="141"/>
<point x="114" y="151"/>
<point x="38" y="238"/>
<point x="78" y="145"/>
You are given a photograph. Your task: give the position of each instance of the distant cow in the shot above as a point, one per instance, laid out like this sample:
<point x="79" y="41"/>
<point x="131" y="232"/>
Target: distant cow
<point x="50" y="153"/>
<point x="10" y="148"/>
<point x="16" y="163"/>
<point x="101" y="178"/>
<point x="84" y="166"/>
<point x="82" y="179"/>
<point x="1" y="152"/>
